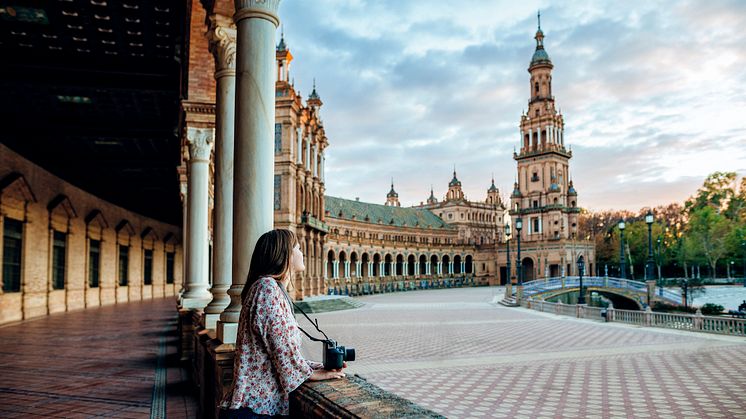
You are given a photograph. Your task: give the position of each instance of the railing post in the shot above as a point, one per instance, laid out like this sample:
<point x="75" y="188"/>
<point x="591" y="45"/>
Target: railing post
<point x="557" y="308"/>
<point x="648" y="316"/>
<point x="698" y="321"/>
<point x="610" y="314"/>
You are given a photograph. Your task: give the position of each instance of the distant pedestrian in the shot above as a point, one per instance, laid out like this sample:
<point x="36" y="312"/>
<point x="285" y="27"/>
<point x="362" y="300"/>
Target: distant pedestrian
<point x="268" y="362"/>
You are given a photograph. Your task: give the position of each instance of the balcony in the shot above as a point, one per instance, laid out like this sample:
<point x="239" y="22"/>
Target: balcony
<point x="312" y="222"/>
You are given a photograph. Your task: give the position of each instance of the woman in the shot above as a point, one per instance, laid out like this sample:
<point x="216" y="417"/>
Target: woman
<point x="268" y="362"/>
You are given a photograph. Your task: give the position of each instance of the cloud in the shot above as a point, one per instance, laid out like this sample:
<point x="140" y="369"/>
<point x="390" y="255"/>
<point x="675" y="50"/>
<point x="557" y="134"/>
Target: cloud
<point x="653" y="94"/>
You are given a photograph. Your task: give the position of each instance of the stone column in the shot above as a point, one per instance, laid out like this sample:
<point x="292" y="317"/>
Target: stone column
<point x="253" y="181"/>
<point x="196" y="295"/>
<point x="222" y="38"/>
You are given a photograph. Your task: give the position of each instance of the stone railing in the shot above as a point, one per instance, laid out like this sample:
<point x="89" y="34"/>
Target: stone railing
<point x="353" y="397"/>
<point x="694" y="322"/>
<point x="377" y="285"/>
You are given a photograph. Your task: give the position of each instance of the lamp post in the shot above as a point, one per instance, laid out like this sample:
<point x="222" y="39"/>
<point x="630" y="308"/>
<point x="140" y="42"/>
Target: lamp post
<point x="581" y="269"/>
<point x="658" y="260"/>
<point x="508" y="283"/>
<point x="649" y="264"/>
<point x="622" y="267"/>
<point x="518" y="266"/>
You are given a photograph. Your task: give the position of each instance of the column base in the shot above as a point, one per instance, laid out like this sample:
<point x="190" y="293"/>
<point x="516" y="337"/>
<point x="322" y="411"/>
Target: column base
<point x="227" y="332"/>
<point x="194" y="303"/>
<point x="210" y="321"/>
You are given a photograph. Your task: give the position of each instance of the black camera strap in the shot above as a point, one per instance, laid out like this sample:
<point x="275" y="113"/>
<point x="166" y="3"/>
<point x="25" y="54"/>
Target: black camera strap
<point x="314" y="322"/>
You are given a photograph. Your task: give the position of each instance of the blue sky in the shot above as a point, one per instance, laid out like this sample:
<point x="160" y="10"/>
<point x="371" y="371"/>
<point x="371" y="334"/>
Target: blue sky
<point x="653" y="93"/>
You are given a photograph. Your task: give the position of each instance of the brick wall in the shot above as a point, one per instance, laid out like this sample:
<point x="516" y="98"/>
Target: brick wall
<point x="201" y="77"/>
<point x="44" y="202"/>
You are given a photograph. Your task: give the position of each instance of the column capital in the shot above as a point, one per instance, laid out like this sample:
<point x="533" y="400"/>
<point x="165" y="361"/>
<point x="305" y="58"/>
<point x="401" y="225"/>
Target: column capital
<point x="262" y="9"/>
<point x="221" y="36"/>
<point x="200" y="142"/>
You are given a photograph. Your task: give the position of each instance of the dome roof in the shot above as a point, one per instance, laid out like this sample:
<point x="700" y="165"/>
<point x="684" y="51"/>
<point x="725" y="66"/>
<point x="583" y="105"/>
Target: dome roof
<point x="493" y="188"/>
<point x="571" y="190"/>
<point x="540" y="57"/>
<point x="454" y="181"/>
<point x="516" y="190"/>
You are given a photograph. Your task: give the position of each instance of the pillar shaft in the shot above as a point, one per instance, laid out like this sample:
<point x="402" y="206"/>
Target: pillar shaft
<point x="256" y="24"/>
<point x="223" y="46"/>
<point x="200" y="144"/>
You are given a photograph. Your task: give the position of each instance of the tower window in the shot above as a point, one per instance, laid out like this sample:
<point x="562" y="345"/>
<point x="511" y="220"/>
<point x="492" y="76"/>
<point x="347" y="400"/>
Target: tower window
<point x="535" y="177"/>
<point x="536" y="204"/>
<point x="536" y="88"/>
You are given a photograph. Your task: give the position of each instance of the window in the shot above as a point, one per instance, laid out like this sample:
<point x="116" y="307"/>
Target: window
<point x="535" y="204"/>
<point x="12" y="245"/>
<point x="94" y="262"/>
<point x="535" y="177"/>
<point x="278" y="191"/>
<point x="536" y="88"/>
<point x="170" y="256"/>
<point x="147" y="267"/>
<point x="58" y="260"/>
<point x="536" y="225"/>
<point x="450" y="216"/>
<point x="124" y="256"/>
<point x="278" y="138"/>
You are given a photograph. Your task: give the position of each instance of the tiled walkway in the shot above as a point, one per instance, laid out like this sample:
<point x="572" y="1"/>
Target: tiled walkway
<point x="455" y="352"/>
<point x="117" y="361"/>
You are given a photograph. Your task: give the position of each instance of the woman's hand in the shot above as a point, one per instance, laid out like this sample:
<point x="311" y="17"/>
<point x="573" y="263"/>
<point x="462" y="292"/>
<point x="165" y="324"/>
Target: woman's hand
<point x="320" y="375"/>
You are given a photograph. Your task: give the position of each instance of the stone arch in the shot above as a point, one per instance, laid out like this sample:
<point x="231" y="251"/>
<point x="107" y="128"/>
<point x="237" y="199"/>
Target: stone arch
<point x="353" y="264"/>
<point x="457" y="264"/>
<point x="446" y="263"/>
<point x="399" y="265"/>
<point x="365" y="259"/>
<point x="387" y="264"/>
<point x="330" y="258"/>
<point x="434" y="264"/>
<point x="376" y="264"/>
<point x="528" y="269"/>
<point x="421" y="265"/>
<point x="411" y="262"/>
<point x="469" y="264"/>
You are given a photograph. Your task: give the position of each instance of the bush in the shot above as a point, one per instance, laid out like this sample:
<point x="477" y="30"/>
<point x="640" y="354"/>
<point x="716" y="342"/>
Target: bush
<point x="711" y="309"/>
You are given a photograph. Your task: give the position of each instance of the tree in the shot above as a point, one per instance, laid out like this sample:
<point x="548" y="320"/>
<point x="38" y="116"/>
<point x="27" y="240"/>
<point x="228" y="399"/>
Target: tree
<point x="717" y="192"/>
<point x="709" y="232"/>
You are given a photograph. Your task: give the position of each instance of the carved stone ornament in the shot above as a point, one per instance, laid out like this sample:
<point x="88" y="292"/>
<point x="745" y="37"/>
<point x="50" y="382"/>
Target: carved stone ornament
<point x="200" y="142"/>
<point x="222" y="39"/>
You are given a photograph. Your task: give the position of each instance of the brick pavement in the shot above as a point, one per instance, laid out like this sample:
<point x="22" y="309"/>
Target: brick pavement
<point x="455" y="352"/>
<point x="99" y="362"/>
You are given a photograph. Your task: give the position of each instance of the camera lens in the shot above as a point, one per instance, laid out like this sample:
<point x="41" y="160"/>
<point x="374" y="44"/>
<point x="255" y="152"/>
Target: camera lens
<point x="350" y="354"/>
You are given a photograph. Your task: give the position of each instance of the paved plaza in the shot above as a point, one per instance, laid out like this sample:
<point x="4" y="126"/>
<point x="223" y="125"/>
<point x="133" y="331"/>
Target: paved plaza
<point x="458" y="353"/>
<point x="115" y="361"/>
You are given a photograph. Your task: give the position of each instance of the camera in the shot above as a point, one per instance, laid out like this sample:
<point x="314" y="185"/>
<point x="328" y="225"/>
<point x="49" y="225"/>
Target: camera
<point x="335" y="356"/>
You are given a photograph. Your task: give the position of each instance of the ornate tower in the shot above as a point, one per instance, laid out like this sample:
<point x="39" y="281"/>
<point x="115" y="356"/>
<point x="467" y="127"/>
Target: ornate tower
<point x="392" y="198"/>
<point x="493" y="194"/>
<point x="543" y="196"/>
<point x="454" y="189"/>
<point x="431" y="200"/>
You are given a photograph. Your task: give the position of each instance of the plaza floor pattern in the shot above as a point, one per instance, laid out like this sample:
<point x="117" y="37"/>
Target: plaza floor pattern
<point x="116" y="361"/>
<point x="456" y="352"/>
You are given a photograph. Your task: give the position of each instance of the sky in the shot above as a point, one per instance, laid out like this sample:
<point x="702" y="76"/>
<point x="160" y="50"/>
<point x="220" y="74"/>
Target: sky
<point x="653" y="93"/>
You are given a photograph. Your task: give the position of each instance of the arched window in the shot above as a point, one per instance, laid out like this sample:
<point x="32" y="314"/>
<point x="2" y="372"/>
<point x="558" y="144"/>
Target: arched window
<point x="536" y="88"/>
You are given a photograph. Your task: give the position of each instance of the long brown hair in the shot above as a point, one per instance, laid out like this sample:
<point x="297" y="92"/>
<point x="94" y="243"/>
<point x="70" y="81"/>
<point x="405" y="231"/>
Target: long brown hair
<point x="271" y="257"/>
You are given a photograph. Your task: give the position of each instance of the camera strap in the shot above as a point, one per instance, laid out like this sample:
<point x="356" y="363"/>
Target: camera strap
<point x="314" y="322"/>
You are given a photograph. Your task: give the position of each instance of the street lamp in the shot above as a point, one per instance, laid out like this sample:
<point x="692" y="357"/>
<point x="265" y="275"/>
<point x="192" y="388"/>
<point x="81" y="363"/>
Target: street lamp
<point x="518" y="266"/>
<point x="508" y="283"/>
<point x="507" y="244"/>
<point x="581" y="269"/>
<point x="622" y="268"/>
<point x="649" y="264"/>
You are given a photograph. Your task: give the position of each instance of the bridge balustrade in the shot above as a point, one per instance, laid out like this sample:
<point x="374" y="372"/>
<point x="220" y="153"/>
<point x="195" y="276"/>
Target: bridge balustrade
<point x="540" y="286"/>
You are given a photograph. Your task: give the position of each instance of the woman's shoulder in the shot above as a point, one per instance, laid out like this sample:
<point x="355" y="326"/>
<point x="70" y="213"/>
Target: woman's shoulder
<point x="267" y="284"/>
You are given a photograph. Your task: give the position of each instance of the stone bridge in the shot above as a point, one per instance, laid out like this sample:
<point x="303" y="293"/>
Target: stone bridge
<point x="624" y="293"/>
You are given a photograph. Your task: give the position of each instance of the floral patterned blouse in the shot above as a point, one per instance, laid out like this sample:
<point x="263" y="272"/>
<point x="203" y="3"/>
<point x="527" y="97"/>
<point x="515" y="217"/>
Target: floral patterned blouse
<point x="268" y="364"/>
